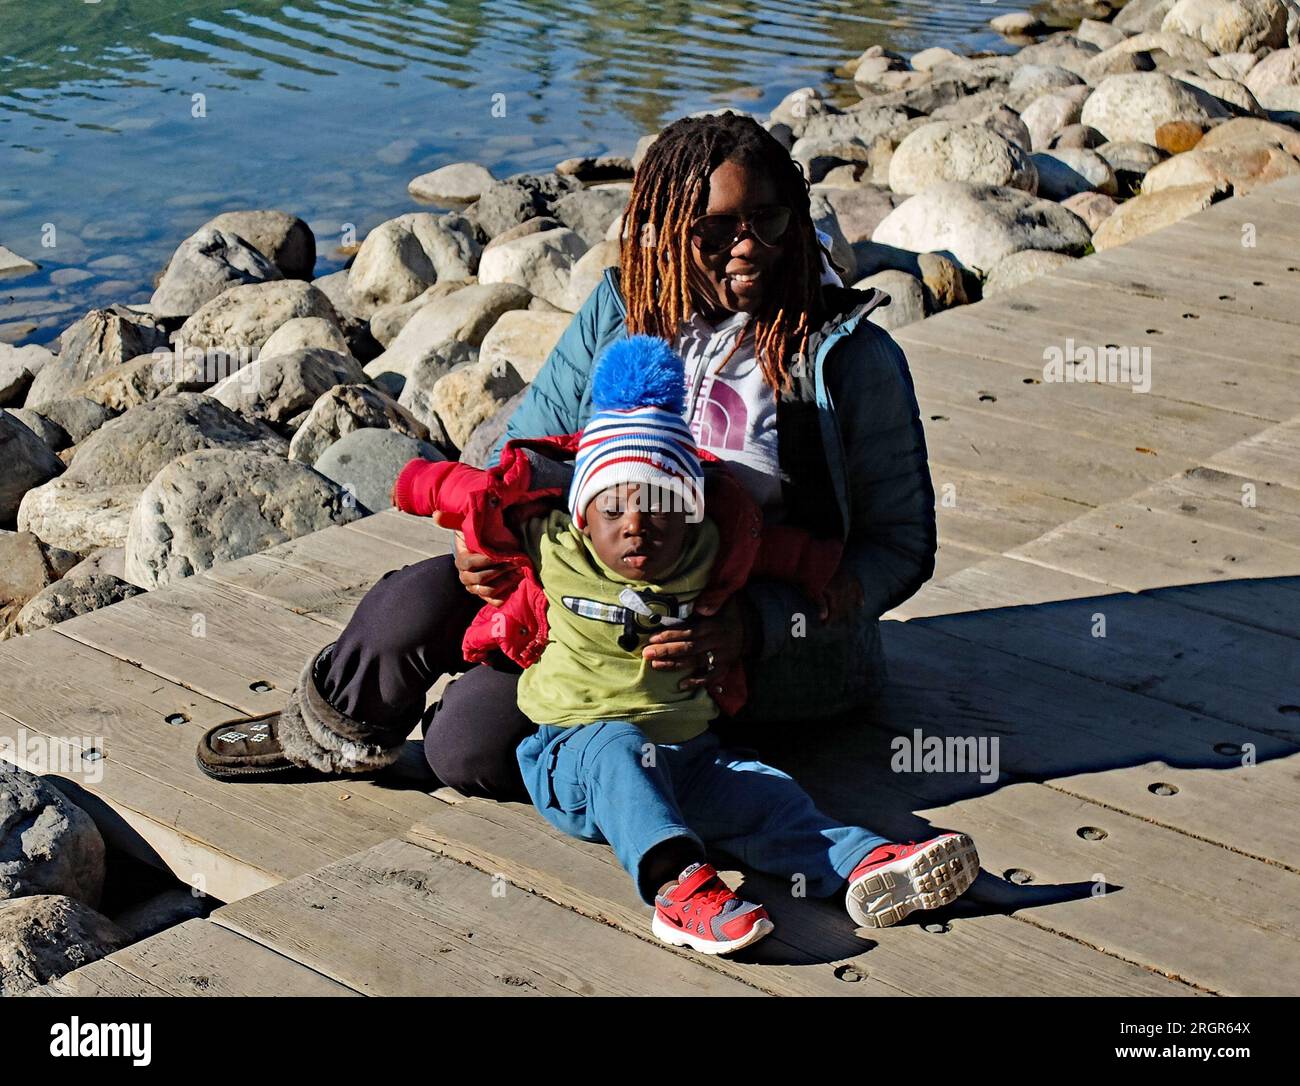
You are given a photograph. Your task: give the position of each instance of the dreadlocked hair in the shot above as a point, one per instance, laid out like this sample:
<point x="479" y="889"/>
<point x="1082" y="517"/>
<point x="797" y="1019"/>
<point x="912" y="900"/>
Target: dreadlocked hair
<point x="670" y="190"/>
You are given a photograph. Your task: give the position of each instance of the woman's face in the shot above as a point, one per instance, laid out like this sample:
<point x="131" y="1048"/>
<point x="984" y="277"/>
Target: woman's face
<point x="736" y="278"/>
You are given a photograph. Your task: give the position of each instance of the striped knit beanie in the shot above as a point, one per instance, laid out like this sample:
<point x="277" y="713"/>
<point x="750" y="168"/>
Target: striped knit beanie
<point x="637" y="433"/>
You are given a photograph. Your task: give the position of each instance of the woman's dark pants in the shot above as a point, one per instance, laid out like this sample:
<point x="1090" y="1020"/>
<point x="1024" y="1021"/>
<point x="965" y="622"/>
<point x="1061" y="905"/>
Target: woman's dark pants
<point x="404" y="636"/>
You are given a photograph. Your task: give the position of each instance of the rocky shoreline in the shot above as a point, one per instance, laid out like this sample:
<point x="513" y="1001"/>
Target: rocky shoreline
<point x="249" y="403"/>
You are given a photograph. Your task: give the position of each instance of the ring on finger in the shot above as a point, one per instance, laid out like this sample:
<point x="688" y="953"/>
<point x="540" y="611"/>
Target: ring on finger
<point x="708" y="656"/>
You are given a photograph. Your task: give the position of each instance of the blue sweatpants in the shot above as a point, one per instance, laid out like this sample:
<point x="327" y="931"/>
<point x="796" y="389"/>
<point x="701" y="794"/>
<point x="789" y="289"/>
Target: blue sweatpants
<point x="606" y="782"/>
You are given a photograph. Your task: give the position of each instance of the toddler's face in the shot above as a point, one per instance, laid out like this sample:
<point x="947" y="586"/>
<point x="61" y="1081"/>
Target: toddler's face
<point x="637" y="530"/>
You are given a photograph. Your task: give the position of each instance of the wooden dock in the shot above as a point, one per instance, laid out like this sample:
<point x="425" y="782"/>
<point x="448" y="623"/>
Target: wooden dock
<point x="1142" y="836"/>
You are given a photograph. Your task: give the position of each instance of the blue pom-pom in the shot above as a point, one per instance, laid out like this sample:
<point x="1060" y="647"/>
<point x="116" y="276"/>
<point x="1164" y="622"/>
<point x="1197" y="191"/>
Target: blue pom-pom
<point x="640" y="371"/>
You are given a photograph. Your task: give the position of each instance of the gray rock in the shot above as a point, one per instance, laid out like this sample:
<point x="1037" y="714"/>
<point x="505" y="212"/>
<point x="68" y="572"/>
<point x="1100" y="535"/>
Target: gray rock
<point x="28" y="463"/>
<point x="860" y="209"/>
<point x="54" y="435"/>
<point x="1230" y="93"/>
<point x="152" y="376"/>
<point x="1077" y="135"/>
<point x="535" y="225"/>
<point x="1020" y="268"/>
<point x="464" y="316"/>
<point x="1240" y="26"/>
<point x="906" y="298"/>
<point x="979" y="225"/>
<point x="303" y="332"/>
<point x="1092" y="207"/>
<point x="162" y="911"/>
<point x="1132" y="107"/>
<point x="1064" y="51"/>
<point x="109" y="560"/>
<point x="1070" y="170"/>
<point x="79" y="516"/>
<point x="45" y="936"/>
<point x="540" y="263"/>
<point x="487" y="433"/>
<point x="391" y="267"/>
<point x="18" y="367"/>
<point x="1047" y="114"/>
<point x="77" y="416"/>
<point x="1233" y="65"/>
<point x="205" y="264"/>
<point x="1279" y="69"/>
<point x="387" y="321"/>
<point x="460" y="182"/>
<point x="276" y="389"/>
<point x="1147" y="213"/>
<point x="1102" y="35"/>
<point x="134" y="447"/>
<point x="516" y="199"/>
<point x="523" y="339"/>
<point x="471" y="393"/>
<point x="100" y="340"/>
<point x="1043" y="77"/>
<point x="365" y="462"/>
<point x="48" y="845"/>
<point x="1138" y="16"/>
<point x="586" y="274"/>
<point x="863" y="124"/>
<point x="27" y="565"/>
<point x="1006" y="122"/>
<point x="945" y="151"/>
<point x="1240" y="166"/>
<point x="588" y="213"/>
<point x="70" y="597"/>
<point x="416" y="392"/>
<point x="284" y="239"/>
<point x="242" y="318"/>
<point x="449" y="241"/>
<point x="1131" y="160"/>
<point x="825" y="220"/>
<point x="346" y="408"/>
<point x="218" y="504"/>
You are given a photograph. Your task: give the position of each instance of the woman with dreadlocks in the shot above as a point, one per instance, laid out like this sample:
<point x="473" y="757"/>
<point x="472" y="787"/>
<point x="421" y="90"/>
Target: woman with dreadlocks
<point x="811" y="407"/>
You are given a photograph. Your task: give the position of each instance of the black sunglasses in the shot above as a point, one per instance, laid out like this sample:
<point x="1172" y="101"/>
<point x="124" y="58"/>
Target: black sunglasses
<point x="714" y="233"/>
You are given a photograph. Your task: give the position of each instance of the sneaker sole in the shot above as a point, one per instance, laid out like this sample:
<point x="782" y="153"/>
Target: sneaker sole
<point x="933" y="877"/>
<point x="676" y="937"/>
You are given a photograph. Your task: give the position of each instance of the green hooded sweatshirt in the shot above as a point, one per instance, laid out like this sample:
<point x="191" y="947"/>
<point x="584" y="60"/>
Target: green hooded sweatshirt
<point x="584" y="675"/>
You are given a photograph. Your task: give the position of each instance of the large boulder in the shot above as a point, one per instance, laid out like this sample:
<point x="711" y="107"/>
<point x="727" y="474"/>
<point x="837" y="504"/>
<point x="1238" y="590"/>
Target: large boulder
<point x="389" y="320"/>
<point x="470" y="394"/>
<point x="284" y="239"/>
<point x="48" y="845"/>
<point x="242" y="318"/>
<point x="487" y="433"/>
<point x="278" y="388"/>
<point x="1132" y="107"/>
<point x="945" y="151"/>
<point x="79" y="516"/>
<point x="1020" y="268"/>
<point x="45" y="936"/>
<point x="588" y="213"/>
<point x="586" y="274"/>
<point x="464" y="316"/>
<point x="151" y="377"/>
<point x="391" y="267"/>
<point x="346" y="408"/>
<point x="365" y="462"/>
<point x="18" y="368"/>
<point x="906" y="298"/>
<point x="517" y="199"/>
<point x="1131" y="160"/>
<point x="1049" y="113"/>
<point x="1241" y="166"/>
<point x="100" y="340"/>
<point x="540" y="263"/>
<point x="460" y="182"/>
<point x="68" y="598"/>
<point x="203" y="265"/>
<point x="28" y="463"/>
<point x="54" y="435"/>
<point x="1230" y="26"/>
<point x="523" y="339"/>
<point x="1139" y="16"/>
<point x="416" y="393"/>
<point x="1094" y="208"/>
<point x="77" y="417"/>
<point x="1249" y="131"/>
<point x="1150" y="212"/>
<point x="27" y="565"/>
<point x="980" y="224"/>
<point x="1278" y="69"/>
<point x="1067" y="171"/>
<point x="303" y="332"/>
<point x="217" y="504"/>
<point x="133" y="447"/>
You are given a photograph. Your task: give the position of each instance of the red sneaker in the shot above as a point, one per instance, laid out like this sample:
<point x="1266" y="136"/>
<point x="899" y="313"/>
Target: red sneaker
<point x="894" y="880"/>
<point x="701" y="912"/>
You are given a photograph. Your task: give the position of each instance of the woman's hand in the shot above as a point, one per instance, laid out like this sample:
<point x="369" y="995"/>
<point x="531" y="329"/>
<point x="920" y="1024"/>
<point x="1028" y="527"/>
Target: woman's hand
<point x="843" y="596"/>
<point x="686" y="648"/>
<point x="482" y="576"/>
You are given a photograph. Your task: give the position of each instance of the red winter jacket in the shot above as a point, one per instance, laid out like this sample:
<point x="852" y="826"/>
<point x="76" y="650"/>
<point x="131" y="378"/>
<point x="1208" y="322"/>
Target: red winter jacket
<point x="486" y="505"/>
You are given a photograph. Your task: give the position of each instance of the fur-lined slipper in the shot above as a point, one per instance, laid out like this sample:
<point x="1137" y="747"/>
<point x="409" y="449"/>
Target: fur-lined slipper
<point x="247" y="750"/>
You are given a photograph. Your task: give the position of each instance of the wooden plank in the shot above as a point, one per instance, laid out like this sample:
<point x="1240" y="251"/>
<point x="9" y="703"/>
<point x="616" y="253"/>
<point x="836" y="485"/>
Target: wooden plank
<point x="398" y="920"/>
<point x="997" y="582"/>
<point x="197" y="958"/>
<point x="1266" y="604"/>
<point x="146" y="793"/>
<point x="323" y="575"/>
<point x="956" y="951"/>
<point x="203" y="635"/>
<point x="1098" y="741"/>
<point x="1129" y="546"/>
<point x="991" y="516"/>
<point x="415" y="533"/>
<point x="1193" y="660"/>
<point x="1272" y="455"/>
